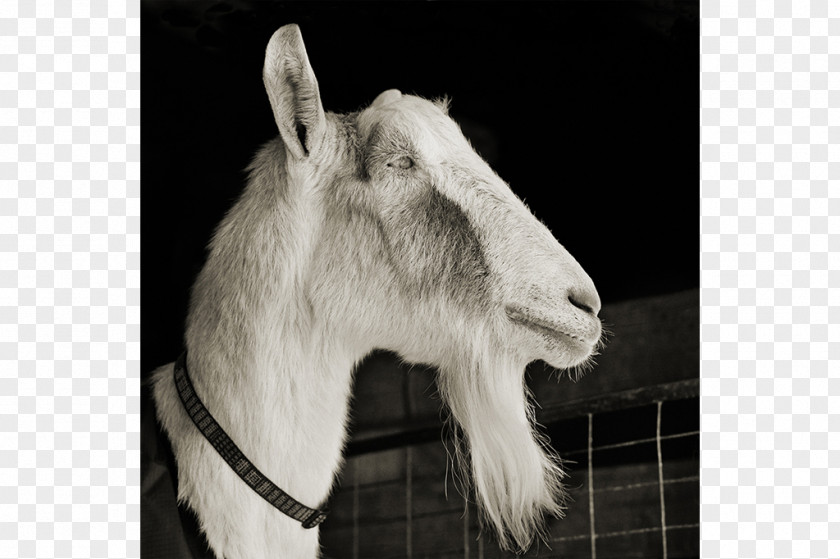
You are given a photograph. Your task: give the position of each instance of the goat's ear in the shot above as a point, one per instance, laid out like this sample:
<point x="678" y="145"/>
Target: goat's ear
<point x="293" y="92"/>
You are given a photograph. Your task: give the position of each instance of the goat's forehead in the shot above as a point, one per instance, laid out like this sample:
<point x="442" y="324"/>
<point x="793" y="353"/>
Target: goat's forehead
<point x="411" y="115"/>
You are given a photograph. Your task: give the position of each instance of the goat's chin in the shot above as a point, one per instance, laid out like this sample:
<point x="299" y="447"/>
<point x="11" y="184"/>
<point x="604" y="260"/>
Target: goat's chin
<point x="558" y="350"/>
<point x="577" y="360"/>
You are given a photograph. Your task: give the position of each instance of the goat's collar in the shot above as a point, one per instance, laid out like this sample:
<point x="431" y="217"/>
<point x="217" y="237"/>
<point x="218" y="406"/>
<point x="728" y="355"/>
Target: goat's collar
<point x="228" y="450"/>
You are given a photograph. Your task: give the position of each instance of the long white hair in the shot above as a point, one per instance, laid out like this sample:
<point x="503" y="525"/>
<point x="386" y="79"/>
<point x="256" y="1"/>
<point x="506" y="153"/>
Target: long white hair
<point x="499" y="454"/>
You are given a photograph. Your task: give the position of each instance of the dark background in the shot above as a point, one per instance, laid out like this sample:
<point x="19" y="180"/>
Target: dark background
<point x="588" y="109"/>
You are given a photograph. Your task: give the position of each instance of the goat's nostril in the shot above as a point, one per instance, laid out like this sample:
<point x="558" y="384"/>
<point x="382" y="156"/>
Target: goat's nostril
<point x="587" y="304"/>
<point x="580" y="305"/>
<point x="585" y="298"/>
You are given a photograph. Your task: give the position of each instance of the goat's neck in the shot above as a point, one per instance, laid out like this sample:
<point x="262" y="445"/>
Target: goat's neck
<point x="283" y="405"/>
<point x="272" y="374"/>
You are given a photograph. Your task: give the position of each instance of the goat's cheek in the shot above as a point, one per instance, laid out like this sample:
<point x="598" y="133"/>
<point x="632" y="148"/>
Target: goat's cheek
<point x="435" y="247"/>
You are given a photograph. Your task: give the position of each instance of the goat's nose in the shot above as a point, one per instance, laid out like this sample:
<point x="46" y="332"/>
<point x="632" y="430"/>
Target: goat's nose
<point x="585" y="299"/>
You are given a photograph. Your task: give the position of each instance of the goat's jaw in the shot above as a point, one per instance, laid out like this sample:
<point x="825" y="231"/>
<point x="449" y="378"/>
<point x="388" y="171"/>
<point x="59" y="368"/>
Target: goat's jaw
<point x="566" y="340"/>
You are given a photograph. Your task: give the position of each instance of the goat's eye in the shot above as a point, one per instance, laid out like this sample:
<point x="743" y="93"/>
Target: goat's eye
<point x="404" y="162"/>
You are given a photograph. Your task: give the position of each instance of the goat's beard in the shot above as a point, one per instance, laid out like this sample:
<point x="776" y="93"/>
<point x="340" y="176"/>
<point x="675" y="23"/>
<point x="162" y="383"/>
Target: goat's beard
<point x="514" y="474"/>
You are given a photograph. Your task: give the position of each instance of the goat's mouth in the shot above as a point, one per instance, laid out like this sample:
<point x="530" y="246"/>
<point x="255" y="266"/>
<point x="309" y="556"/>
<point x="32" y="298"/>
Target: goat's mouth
<point x="577" y="337"/>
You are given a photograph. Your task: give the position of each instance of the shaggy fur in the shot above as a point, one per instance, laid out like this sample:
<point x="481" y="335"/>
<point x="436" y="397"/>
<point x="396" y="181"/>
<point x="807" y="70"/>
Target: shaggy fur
<point x="379" y="229"/>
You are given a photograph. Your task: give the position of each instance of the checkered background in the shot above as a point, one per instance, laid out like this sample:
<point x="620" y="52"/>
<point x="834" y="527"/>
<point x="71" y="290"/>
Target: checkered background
<point x="770" y="466"/>
<point x="69" y="278"/>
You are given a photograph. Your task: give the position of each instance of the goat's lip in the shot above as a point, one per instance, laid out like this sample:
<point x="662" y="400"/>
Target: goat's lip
<point x="545" y="327"/>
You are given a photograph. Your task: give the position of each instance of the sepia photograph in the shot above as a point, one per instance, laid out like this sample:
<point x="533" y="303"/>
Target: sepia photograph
<point x="420" y="279"/>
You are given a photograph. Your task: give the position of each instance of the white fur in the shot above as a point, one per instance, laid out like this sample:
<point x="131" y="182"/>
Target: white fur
<point x="381" y="229"/>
